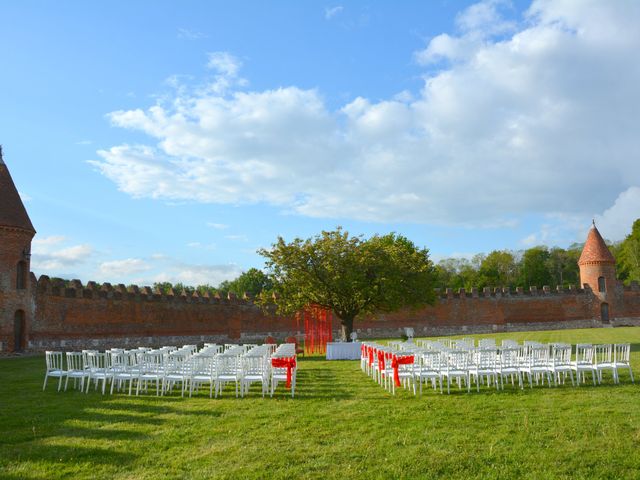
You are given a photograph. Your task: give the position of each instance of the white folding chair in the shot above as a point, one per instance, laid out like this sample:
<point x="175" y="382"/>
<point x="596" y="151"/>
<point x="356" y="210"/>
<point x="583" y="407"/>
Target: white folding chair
<point x="560" y="363"/>
<point x="227" y="370"/>
<point x="254" y="370"/>
<point x="621" y="352"/>
<point x="509" y="366"/>
<point x="484" y="366"/>
<point x="75" y="370"/>
<point x="603" y="361"/>
<point x="55" y="368"/>
<point x="584" y="362"/>
<point x="456" y="367"/>
<point x="98" y="369"/>
<point x="429" y="369"/>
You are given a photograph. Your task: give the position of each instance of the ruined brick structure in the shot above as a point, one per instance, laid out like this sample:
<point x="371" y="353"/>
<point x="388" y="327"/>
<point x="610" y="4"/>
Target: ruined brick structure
<point x="38" y="314"/>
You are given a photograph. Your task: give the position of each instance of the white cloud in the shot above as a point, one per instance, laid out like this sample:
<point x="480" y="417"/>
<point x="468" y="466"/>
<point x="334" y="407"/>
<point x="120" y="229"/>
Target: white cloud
<point x="43" y="242"/>
<point x="190" y="274"/>
<point x="191" y="34"/>
<point x="123" y="268"/>
<point x="615" y="222"/>
<point x="539" y="121"/>
<point x="224" y="63"/>
<point x="331" y="12"/>
<point x="217" y="226"/>
<point x="46" y="258"/>
<point x="237" y="238"/>
<point x="203" y="246"/>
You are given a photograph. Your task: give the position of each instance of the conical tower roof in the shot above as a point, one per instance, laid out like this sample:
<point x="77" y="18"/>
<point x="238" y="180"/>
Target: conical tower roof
<point x="595" y="250"/>
<point x="12" y="211"/>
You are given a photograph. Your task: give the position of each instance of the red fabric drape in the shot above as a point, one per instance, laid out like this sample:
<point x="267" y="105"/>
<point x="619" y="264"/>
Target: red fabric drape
<point x="288" y="363"/>
<point x="399" y="361"/>
<point x="318" y="322"/>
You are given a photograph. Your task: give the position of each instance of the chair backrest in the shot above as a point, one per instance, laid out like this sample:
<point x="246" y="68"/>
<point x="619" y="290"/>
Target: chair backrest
<point x="561" y="355"/>
<point x="227" y="364"/>
<point x="486" y="358"/>
<point x="152" y="362"/>
<point x="96" y="361"/>
<point x="621" y="352"/>
<point x="602" y="353"/>
<point x="254" y="365"/>
<point x="456" y="360"/>
<point x="75" y="361"/>
<point x="53" y="360"/>
<point x="510" y="357"/>
<point x="539" y="355"/>
<point x="430" y="360"/>
<point x="584" y="354"/>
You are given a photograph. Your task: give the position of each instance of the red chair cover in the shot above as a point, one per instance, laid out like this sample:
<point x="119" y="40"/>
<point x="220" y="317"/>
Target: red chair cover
<point x="399" y="361"/>
<point x="288" y="363"/>
<point x="381" y="356"/>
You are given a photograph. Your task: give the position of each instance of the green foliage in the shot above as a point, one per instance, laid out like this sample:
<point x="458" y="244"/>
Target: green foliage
<point x="498" y="269"/>
<point x="253" y="282"/>
<point x="349" y="275"/>
<point x="535" y="267"/>
<point x="341" y="425"/>
<point x="629" y="255"/>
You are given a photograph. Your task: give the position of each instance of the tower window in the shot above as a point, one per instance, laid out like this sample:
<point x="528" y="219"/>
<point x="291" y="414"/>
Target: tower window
<point x="602" y="286"/>
<point x="21" y="277"/>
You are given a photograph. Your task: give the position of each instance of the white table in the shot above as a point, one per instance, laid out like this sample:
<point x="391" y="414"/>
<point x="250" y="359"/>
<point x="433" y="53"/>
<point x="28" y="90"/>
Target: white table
<point x="343" y="350"/>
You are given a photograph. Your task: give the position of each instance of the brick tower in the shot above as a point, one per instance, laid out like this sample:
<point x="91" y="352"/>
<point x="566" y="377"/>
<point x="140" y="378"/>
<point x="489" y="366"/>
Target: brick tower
<point x="598" y="271"/>
<point x="16" y="232"/>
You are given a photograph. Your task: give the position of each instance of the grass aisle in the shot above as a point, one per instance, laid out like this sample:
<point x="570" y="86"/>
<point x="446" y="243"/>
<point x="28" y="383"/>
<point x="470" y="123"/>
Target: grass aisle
<point x="340" y="425"/>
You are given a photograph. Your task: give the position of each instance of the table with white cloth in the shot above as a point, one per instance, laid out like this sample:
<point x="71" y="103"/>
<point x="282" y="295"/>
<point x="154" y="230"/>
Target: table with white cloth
<point x="343" y="350"/>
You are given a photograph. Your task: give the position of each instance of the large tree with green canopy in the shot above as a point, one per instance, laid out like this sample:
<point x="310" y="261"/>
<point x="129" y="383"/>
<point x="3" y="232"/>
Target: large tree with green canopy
<point x="349" y="275"/>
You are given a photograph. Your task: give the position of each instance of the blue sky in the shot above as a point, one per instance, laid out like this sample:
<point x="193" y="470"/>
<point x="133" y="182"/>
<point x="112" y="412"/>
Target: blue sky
<point x="169" y="140"/>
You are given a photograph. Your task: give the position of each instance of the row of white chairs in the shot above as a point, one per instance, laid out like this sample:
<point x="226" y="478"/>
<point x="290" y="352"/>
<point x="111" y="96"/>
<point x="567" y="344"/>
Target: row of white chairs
<point x="462" y="362"/>
<point x="167" y="368"/>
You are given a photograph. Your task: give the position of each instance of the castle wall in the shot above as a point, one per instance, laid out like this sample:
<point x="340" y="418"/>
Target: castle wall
<point x="77" y="316"/>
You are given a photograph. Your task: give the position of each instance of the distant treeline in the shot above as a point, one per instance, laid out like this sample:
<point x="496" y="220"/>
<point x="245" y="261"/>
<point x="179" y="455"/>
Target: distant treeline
<point x="537" y="266"/>
<point x="252" y="282"/>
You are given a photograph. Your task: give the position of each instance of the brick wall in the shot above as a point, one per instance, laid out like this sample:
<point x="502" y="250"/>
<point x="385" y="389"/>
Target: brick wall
<point x="79" y="316"/>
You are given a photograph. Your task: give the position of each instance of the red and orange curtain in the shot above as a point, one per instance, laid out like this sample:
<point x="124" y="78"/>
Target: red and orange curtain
<point x="317" y="328"/>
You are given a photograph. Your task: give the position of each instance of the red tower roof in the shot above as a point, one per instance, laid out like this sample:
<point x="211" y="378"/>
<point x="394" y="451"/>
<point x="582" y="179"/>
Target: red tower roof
<point x="12" y="211"/>
<point x="595" y="250"/>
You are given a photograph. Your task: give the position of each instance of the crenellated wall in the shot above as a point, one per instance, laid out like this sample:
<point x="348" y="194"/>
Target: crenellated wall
<point x="70" y="315"/>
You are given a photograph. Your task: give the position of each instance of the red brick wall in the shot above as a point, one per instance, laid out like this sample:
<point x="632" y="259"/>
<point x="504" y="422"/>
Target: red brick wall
<point x="80" y="315"/>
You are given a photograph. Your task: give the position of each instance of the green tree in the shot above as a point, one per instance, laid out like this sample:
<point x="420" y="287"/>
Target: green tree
<point x="163" y="287"/>
<point x="535" y="267"/>
<point x="629" y="255"/>
<point x="456" y="273"/>
<point x="498" y="269"/>
<point x="349" y="275"/>
<point x="253" y="282"/>
<point x="563" y="266"/>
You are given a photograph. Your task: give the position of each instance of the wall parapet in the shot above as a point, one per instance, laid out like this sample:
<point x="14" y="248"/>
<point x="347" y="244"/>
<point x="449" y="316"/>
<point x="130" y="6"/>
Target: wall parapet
<point x="58" y="287"/>
<point x="500" y="292"/>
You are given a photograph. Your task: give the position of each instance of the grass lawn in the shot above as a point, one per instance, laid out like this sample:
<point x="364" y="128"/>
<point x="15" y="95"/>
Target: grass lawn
<point x="340" y="425"/>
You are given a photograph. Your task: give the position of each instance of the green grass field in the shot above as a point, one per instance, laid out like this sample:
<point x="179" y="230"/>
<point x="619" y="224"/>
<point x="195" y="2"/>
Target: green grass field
<point x="340" y="425"/>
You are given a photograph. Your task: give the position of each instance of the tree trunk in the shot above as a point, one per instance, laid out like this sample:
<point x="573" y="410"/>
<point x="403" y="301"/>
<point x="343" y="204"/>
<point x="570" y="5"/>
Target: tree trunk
<point x="347" y="328"/>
